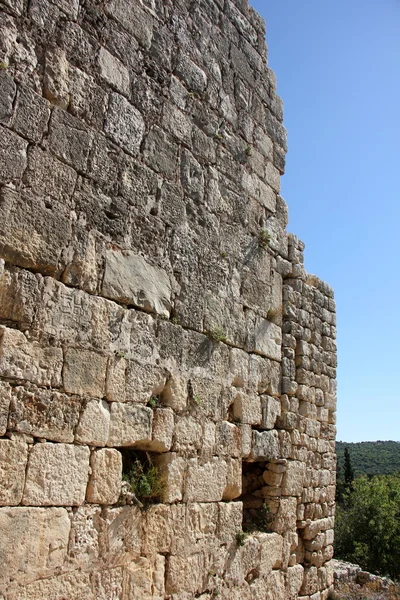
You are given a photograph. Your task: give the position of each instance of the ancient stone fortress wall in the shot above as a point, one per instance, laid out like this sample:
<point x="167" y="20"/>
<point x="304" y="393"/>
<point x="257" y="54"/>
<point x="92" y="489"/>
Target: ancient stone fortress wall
<point x="154" y="311"/>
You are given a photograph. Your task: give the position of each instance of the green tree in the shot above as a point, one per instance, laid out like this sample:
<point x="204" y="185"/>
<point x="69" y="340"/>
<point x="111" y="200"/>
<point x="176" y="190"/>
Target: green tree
<point x="367" y="528"/>
<point x="348" y="469"/>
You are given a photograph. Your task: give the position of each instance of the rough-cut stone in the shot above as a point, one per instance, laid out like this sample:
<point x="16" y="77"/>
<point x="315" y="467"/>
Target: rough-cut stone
<point x="13" y="459"/>
<point x="94" y="424"/>
<point x="84" y="372"/>
<point x="24" y="360"/>
<point x="7" y="95"/>
<point x="5" y="399"/>
<point x="39" y="540"/>
<point x="173" y="468"/>
<point x="124" y="124"/>
<point x="293" y="480"/>
<point x="265" y="445"/>
<point x="205" y="483"/>
<point x="105" y="481"/>
<point x="70" y="139"/>
<point x="271" y="552"/>
<point x="130" y="425"/>
<point x="163" y="428"/>
<point x="130" y="279"/>
<point x="113" y="71"/>
<point x="44" y="413"/>
<point x="12" y="156"/>
<point x="266" y="339"/>
<point x="57" y="475"/>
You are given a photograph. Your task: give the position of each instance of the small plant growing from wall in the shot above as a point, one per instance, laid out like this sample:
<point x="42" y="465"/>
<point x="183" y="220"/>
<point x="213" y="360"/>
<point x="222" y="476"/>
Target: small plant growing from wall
<point x="217" y="334"/>
<point x="145" y="480"/>
<point x="259" y="519"/>
<point x="154" y="402"/>
<point x="241" y="537"/>
<point x="264" y="238"/>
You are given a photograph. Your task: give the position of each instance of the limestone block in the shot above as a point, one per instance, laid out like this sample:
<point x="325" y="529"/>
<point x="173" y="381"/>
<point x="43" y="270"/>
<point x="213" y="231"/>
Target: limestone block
<point x="130" y="279"/>
<point x="13" y="459"/>
<point x="310" y="581"/>
<point x="12" y="156"/>
<point x="245" y="561"/>
<point x="247" y="436"/>
<point x="124" y="124"/>
<point x="134" y="18"/>
<point x="160" y="152"/>
<point x="70" y="140"/>
<point x="192" y="176"/>
<point x="191" y="74"/>
<point x="233" y="487"/>
<point x="38" y="538"/>
<point x="44" y="413"/>
<point x="7" y="95"/>
<point x="294" y="581"/>
<point x="116" y="380"/>
<point x="144" y="381"/>
<point x="293" y="480"/>
<point x="173" y="467"/>
<point x="247" y="408"/>
<point x="5" y="399"/>
<point x="230" y="521"/>
<point x="94" y="423"/>
<point x="165" y="530"/>
<point x="47" y="177"/>
<point x="271" y="552"/>
<point x="273" y="479"/>
<point x="84" y="372"/>
<point x="108" y="584"/>
<point x="84" y="539"/>
<point x="74" y="586"/>
<point x="205" y="483"/>
<point x="21" y="359"/>
<point x="175" y="393"/>
<point x="32" y="114"/>
<point x="139" y="579"/>
<point x="130" y="425"/>
<point x="122" y="535"/>
<point x="184" y="574"/>
<point x="286" y="516"/>
<point x="265" y="339"/>
<point x="163" y="429"/>
<point x="271" y="410"/>
<point x="228" y="441"/>
<point x="55" y="83"/>
<point x="105" y="481"/>
<point x="265" y="445"/>
<point x="188" y="435"/>
<point x="113" y="71"/>
<point x="57" y="475"/>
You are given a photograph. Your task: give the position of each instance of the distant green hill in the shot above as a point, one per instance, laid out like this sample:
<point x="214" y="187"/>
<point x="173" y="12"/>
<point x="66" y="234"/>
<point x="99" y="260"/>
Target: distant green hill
<point x="371" y="458"/>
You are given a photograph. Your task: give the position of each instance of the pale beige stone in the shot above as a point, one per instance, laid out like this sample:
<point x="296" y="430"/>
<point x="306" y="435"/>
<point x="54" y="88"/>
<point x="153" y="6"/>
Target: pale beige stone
<point x="228" y="439"/>
<point x="165" y="530"/>
<point x="38" y="538"/>
<point x="56" y="86"/>
<point x="138" y="579"/>
<point x="266" y="339"/>
<point x="113" y="71"/>
<point x="57" y="475"/>
<point x="143" y="381"/>
<point x="271" y="552"/>
<point x="84" y="372"/>
<point x="173" y="468"/>
<point x="310" y="581"/>
<point x="94" y="423"/>
<point x="230" y="520"/>
<point x="13" y="459"/>
<point x="5" y="399"/>
<point x="233" y="487"/>
<point x="184" y="574"/>
<point x="105" y="481"/>
<point x="122" y="535"/>
<point x="273" y="479"/>
<point x="247" y="408"/>
<point x="286" y="517"/>
<point x="175" y="393"/>
<point x="265" y="445"/>
<point x="163" y="429"/>
<point x="108" y="585"/>
<point x="188" y="435"/>
<point x="115" y="381"/>
<point x="205" y="483"/>
<point x="293" y="480"/>
<point x="84" y="540"/>
<point x="294" y="581"/>
<point x="74" y="586"/>
<point x="271" y="410"/>
<point x="130" y="279"/>
<point x="130" y="425"/>
<point x="24" y="360"/>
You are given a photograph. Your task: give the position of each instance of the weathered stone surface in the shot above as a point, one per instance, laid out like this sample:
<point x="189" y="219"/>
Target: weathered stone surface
<point x="265" y="445"/>
<point x="205" y="483"/>
<point x="113" y="71"/>
<point x="44" y="413"/>
<point x="163" y="429"/>
<point x="38" y="538"/>
<point x="130" y="279"/>
<point x="32" y="114"/>
<point x="247" y="408"/>
<point x="84" y="372"/>
<point x="94" y="423"/>
<point x="12" y="156"/>
<point x="5" y="399"/>
<point x="266" y="339"/>
<point x="130" y="425"/>
<point x="7" y="95"/>
<point x="293" y="480"/>
<point x="24" y="360"/>
<point x="173" y="467"/>
<point x="124" y="124"/>
<point x="105" y="481"/>
<point x="271" y="552"/>
<point x="13" y="459"/>
<point x="57" y="475"/>
<point x="294" y="581"/>
<point x="271" y="410"/>
<point x="70" y="139"/>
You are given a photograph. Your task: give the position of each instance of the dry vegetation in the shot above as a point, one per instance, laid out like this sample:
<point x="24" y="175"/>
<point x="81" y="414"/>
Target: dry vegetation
<point x="372" y="590"/>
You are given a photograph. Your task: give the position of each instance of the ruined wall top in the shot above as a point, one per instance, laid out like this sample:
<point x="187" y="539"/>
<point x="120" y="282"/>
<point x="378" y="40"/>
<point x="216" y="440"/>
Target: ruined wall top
<point x="154" y="312"/>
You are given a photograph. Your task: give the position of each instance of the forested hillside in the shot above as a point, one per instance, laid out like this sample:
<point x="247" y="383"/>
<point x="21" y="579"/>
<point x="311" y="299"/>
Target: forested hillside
<point x="371" y="458"/>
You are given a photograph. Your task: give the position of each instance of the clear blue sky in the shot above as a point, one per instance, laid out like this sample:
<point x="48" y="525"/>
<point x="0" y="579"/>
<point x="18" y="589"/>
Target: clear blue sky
<point x="338" y="70"/>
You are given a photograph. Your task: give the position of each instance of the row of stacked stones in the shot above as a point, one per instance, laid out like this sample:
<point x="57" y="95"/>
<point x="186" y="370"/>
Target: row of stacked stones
<point x="153" y="307"/>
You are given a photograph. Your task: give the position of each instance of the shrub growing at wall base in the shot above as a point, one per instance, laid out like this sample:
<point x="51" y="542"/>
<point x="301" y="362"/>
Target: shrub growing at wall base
<point x="367" y="527"/>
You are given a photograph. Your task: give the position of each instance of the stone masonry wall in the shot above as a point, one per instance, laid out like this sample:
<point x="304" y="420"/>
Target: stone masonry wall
<point x="154" y="309"/>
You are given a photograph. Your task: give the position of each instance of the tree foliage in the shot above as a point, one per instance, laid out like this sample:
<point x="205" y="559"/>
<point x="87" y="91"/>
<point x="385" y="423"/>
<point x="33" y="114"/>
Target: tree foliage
<point x="371" y="458"/>
<point x="367" y="527"/>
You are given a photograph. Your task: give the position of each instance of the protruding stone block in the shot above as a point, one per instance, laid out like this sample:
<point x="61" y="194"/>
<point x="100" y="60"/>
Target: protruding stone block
<point x="57" y="475"/>
<point x="173" y="469"/>
<point x="130" y="279"/>
<point x="124" y="124"/>
<point x="293" y="480"/>
<point x="105" y="481"/>
<point x="271" y="552"/>
<point x="266" y="339"/>
<point x="163" y="430"/>
<point x="205" y="483"/>
<point x="265" y="445"/>
<point x="84" y="372"/>
<point x="94" y="424"/>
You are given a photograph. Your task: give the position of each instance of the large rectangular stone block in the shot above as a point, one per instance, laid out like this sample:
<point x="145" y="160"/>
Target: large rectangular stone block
<point x="124" y="124"/>
<point x="24" y="360"/>
<point x="105" y="481"/>
<point x="84" y="372"/>
<point x="12" y="156"/>
<point x="57" y="475"/>
<point x="38" y="538"/>
<point x="130" y="279"/>
<point x="130" y="425"/>
<point x="207" y="482"/>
